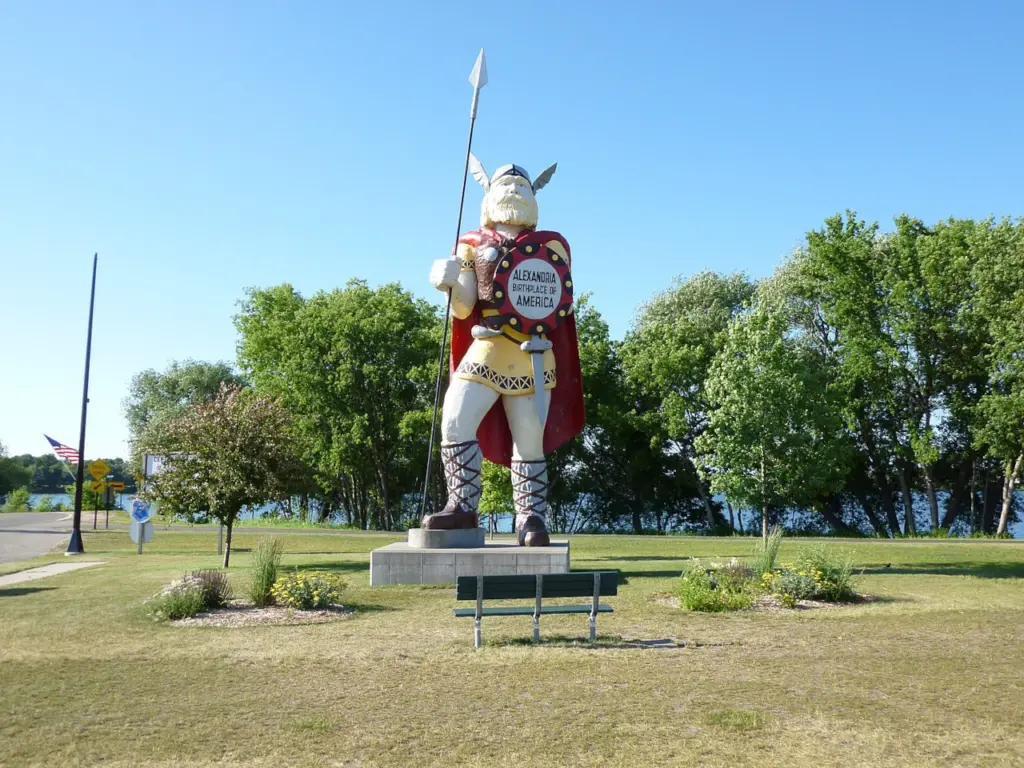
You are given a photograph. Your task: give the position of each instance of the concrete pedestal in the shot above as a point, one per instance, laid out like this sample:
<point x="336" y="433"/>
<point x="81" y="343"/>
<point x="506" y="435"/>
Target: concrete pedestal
<point x="422" y="538"/>
<point x="400" y="563"/>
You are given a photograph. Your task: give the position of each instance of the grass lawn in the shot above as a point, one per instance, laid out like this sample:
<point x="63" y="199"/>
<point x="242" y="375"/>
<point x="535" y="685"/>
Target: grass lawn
<point x="930" y="673"/>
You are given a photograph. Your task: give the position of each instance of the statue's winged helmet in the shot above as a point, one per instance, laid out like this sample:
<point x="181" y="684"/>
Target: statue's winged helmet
<point x="485" y="181"/>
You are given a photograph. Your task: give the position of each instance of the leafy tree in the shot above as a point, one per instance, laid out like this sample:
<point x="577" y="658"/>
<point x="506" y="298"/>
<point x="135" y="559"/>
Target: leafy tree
<point x="356" y="367"/>
<point x="12" y="473"/>
<point x="999" y="277"/>
<point x="618" y="473"/>
<point x="1002" y="433"/>
<point x="496" y="493"/>
<point x="844" y="286"/>
<point x="896" y="315"/>
<point x="155" y="398"/>
<point x="774" y="437"/>
<point x="936" y="347"/>
<point x="234" y="451"/>
<point x="90" y="499"/>
<point x="17" y="500"/>
<point x="668" y="353"/>
<point x="49" y="474"/>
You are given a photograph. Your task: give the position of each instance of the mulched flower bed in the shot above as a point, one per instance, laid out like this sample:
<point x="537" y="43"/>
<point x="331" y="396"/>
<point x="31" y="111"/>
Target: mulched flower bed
<point x="238" y="613"/>
<point x="771" y="604"/>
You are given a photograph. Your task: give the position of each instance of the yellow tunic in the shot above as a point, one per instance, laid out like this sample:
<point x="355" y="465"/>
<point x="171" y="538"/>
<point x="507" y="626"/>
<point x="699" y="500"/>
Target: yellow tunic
<point x="499" y="363"/>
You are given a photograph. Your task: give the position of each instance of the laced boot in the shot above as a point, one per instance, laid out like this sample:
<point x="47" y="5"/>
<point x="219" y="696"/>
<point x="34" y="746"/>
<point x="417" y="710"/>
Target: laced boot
<point x="461" y="463"/>
<point x="530" y="495"/>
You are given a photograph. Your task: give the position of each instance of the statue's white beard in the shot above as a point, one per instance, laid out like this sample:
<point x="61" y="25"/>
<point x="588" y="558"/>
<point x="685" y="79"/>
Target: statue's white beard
<point x="511" y="209"/>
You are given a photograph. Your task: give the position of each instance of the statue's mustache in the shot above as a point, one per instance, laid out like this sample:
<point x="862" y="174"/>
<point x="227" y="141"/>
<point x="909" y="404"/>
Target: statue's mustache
<point x="517" y="196"/>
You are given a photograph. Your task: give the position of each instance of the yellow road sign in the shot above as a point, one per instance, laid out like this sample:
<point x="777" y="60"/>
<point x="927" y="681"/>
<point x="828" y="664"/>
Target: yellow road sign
<point x="97" y="486"/>
<point x="99" y="469"/>
<point x="116" y="486"/>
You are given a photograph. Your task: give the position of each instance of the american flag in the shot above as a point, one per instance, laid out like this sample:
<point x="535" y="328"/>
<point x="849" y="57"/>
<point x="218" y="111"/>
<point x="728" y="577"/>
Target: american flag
<point x="64" y="452"/>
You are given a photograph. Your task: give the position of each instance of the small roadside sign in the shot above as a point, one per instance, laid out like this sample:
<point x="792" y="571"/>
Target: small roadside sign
<point x="141" y="511"/>
<point x="141" y="533"/>
<point x="97" y="486"/>
<point x="116" y="486"/>
<point x="99" y="469"/>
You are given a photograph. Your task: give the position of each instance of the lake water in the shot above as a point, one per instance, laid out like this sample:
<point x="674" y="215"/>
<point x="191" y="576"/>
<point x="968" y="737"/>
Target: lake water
<point x="504" y="522"/>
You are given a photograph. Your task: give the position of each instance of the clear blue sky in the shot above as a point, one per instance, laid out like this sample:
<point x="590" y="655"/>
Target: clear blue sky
<point x="204" y="147"/>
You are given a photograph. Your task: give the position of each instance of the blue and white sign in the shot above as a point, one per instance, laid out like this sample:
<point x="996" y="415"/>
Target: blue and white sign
<point x="141" y="510"/>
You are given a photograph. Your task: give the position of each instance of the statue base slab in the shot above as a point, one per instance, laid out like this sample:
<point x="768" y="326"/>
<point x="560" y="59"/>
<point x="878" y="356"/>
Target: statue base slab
<point x="465" y="538"/>
<point x="400" y="563"/>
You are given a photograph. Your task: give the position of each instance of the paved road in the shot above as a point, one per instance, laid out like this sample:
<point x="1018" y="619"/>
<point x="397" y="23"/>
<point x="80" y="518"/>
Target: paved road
<point x="239" y="528"/>
<point x="29" y="534"/>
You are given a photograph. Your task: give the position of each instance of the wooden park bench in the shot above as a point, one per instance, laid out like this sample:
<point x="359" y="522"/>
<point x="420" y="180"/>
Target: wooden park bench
<point x="551" y="585"/>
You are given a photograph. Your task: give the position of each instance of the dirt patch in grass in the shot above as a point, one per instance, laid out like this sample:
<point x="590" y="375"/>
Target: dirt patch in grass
<point x="238" y="613"/>
<point x="772" y="603"/>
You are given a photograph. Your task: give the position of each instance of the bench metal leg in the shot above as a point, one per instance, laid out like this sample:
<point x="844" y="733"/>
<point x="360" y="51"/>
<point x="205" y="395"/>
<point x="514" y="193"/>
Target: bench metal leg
<point x="477" y="634"/>
<point x="536" y="608"/>
<point x="593" y="627"/>
<point x="595" y="605"/>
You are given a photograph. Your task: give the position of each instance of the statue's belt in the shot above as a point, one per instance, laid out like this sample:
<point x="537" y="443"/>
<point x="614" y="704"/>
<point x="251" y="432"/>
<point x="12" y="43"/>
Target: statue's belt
<point x="483" y="332"/>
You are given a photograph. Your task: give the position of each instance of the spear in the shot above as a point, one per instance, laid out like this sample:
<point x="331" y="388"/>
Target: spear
<point x="478" y="79"/>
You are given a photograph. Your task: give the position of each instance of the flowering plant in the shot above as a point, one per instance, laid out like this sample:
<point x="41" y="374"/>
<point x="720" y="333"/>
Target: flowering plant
<point x="308" y="591"/>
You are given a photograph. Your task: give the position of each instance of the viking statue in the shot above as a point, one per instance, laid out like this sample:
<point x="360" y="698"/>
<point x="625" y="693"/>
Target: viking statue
<point x="515" y="392"/>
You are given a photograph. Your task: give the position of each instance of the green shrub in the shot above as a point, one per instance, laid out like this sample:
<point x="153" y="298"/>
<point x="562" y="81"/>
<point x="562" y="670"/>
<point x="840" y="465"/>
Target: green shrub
<point x="711" y="590"/>
<point x="215" y="586"/>
<point x="179" y="604"/>
<point x="263" y="570"/>
<point x="18" y="500"/>
<point x="307" y="591"/>
<point x="45" y="504"/>
<point x="765" y="552"/>
<point x="192" y="593"/>
<point x="787" y="600"/>
<point x="791" y="586"/>
<point x="832" y="574"/>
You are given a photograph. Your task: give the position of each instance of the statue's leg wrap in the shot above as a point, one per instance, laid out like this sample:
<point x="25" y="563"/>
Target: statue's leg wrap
<point x="462" y="474"/>
<point x="465" y="405"/>
<point x="529" y="471"/>
<point x="530" y="496"/>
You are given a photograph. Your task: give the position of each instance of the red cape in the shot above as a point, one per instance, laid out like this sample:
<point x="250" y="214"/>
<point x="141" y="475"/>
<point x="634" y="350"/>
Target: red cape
<point x="565" y="412"/>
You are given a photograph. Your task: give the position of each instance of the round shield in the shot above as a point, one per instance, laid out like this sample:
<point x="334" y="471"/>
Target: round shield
<point x="533" y="285"/>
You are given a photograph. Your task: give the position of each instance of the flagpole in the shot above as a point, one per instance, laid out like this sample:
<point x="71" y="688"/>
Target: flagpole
<point x="75" y="544"/>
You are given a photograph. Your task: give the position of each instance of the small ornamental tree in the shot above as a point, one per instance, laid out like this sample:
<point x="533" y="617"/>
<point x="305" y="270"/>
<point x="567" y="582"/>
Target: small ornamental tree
<point x="234" y="451"/>
<point x="774" y="436"/>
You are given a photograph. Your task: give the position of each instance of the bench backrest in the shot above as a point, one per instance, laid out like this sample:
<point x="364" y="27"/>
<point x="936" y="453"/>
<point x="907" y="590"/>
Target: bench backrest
<point x="523" y="587"/>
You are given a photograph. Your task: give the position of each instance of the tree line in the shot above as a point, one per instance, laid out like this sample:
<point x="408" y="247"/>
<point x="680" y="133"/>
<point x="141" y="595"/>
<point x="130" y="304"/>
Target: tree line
<point x="47" y="474"/>
<point x="871" y="385"/>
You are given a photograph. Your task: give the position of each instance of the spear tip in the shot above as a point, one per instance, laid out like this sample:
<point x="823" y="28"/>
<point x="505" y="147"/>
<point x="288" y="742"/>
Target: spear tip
<point x="478" y="77"/>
